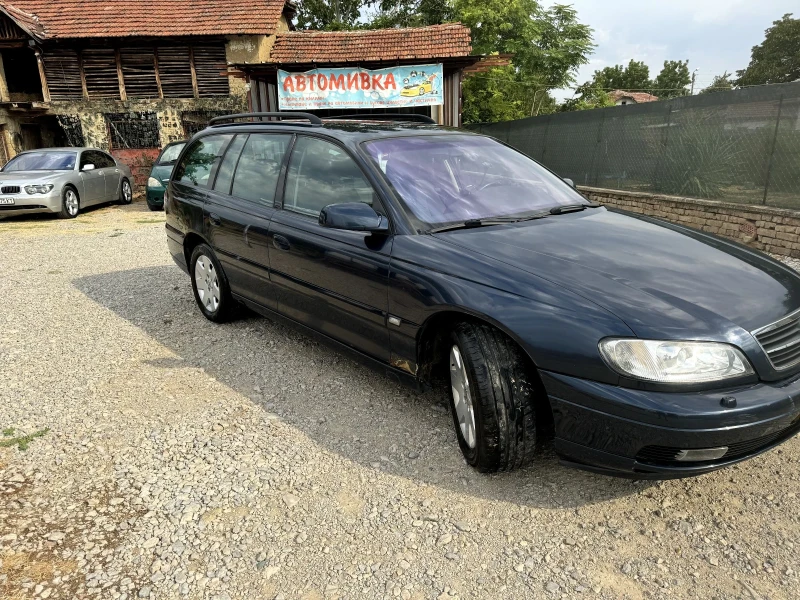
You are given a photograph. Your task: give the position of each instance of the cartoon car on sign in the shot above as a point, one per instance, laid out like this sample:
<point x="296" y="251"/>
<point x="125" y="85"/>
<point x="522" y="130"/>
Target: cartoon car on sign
<point x="418" y="86"/>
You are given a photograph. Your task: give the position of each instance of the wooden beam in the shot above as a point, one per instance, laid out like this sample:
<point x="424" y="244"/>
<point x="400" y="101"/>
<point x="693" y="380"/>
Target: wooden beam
<point x="83" y="75"/>
<point x="194" y="73"/>
<point x="42" y="76"/>
<point x="158" y="75"/>
<point x="122" y="94"/>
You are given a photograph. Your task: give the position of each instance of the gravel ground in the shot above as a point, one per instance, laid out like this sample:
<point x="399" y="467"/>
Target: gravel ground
<point x="176" y="458"/>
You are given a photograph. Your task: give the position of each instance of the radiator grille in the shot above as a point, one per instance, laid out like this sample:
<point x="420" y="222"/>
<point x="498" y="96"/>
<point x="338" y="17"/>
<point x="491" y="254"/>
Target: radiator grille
<point x="781" y="341"/>
<point x="10" y="189"/>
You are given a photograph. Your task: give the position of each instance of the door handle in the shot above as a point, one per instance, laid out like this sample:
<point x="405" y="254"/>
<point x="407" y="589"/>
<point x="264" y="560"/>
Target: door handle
<point x="281" y="243"/>
<point x="214" y="218"/>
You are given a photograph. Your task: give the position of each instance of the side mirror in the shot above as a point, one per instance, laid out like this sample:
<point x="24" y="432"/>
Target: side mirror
<point x="87" y="167"/>
<point x="569" y="182"/>
<point x="353" y="216"/>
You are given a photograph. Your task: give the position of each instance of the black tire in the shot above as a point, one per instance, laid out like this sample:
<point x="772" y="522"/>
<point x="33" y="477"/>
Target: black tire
<point x="500" y="383"/>
<point x="70" y="203"/>
<point x="125" y="197"/>
<point x="220" y="307"/>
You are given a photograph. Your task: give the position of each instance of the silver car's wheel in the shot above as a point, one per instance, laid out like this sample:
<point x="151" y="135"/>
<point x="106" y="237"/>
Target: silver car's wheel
<point x="126" y="192"/>
<point x="207" y="282"/>
<point x="462" y="399"/>
<point x="70" y="204"/>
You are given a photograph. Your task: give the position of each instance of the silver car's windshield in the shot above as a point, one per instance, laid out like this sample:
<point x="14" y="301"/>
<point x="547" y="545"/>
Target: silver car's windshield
<point x="445" y="179"/>
<point x="42" y="161"/>
<point x="171" y="154"/>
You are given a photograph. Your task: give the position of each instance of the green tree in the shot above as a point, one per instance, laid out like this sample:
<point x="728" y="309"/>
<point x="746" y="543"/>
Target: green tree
<point x="410" y="13"/>
<point x="548" y="47"/>
<point x="588" y="95"/>
<point x="328" y="14"/>
<point x="673" y="79"/>
<point x="635" y="77"/>
<point x="777" y="58"/>
<point x="720" y="83"/>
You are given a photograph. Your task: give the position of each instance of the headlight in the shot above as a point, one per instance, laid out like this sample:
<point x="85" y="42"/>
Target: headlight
<point x="154" y="183"/>
<point x="39" y="189"/>
<point x="674" y="362"/>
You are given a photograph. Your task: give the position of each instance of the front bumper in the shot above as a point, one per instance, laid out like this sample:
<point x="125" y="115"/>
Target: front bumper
<point x="639" y="434"/>
<point x="155" y="197"/>
<point x="26" y="204"/>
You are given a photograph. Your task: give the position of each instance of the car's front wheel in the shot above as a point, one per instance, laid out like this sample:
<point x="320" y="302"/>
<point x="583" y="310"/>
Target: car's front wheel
<point x="492" y="395"/>
<point x="70" y="203"/>
<point x="125" y="192"/>
<point x="211" y="290"/>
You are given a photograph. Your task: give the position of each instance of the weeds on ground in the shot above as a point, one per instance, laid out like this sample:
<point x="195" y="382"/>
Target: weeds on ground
<point x="22" y="442"/>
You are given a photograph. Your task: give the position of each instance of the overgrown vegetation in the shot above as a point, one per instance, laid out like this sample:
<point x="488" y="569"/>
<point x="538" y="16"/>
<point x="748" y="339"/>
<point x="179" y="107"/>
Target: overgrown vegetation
<point x="22" y="442"/>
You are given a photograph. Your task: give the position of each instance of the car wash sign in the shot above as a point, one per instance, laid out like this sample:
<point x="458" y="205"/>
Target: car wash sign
<point x="395" y="87"/>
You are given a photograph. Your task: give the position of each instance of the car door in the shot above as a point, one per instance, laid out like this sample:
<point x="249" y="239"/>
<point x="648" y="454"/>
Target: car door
<point x="333" y="281"/>
<point x="239" y="208"/>
<point x="111" y="174"/>
<point x="94" y="183"/>
<point x="188" y="186"/>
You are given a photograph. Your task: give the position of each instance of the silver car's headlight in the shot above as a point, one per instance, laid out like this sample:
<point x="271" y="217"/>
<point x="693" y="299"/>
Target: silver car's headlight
<point x="664" y="361"/>
<point x="39" y="189"/>
<point x="154" y="183"/>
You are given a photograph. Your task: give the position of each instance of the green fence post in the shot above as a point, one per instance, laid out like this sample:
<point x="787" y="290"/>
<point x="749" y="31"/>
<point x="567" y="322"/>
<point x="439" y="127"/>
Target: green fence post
<point x="772" y="151"/>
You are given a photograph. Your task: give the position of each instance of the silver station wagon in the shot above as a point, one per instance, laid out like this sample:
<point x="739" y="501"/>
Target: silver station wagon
<point x="62" y="181"/>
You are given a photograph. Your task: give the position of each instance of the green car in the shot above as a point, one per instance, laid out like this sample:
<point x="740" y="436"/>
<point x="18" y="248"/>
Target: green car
<point x="160" y="174"/>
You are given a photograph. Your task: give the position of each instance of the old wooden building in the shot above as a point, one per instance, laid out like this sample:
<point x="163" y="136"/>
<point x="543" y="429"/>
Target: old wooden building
<point x="132" y="75"/>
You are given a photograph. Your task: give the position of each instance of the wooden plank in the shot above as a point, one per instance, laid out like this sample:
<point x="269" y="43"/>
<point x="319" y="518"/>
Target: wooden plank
<point x="122" y="94"/>
<point x="194" y="73"/>
<point x="42" y="77"/>
<point x="83" y="76"/>
<point x="158" y="76"/>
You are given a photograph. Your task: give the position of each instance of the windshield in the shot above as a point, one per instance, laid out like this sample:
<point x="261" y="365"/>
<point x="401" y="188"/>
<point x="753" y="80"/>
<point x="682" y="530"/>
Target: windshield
<point x="453" y="178"/>
<point x="170" y="154"/>
<point x="42" y="161"/>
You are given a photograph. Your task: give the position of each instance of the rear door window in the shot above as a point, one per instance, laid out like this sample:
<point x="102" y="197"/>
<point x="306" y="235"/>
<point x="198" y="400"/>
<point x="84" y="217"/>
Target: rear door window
<point x="259" y="167"/>
<point x="198" y="163"/>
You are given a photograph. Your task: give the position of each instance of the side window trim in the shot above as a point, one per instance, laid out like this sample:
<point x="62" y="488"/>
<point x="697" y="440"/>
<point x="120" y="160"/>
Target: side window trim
<point x="279" y="198"/>
<point x="212" y="186"/>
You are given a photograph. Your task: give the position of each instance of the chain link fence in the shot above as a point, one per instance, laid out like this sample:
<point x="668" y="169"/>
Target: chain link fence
<point x="740" y="146"/>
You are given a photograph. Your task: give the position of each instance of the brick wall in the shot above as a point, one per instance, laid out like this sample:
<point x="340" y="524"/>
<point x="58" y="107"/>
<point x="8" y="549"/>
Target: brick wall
<point x="775" y="230"/>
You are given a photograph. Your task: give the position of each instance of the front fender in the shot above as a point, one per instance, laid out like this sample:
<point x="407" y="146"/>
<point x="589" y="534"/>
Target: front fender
<point x="558" y="329"/>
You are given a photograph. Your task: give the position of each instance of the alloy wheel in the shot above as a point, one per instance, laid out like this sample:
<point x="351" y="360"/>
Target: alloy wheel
<point x="462" y="398"/>
<point x="207" y="283"/>
<point x="127" y="193"/>
<point x="71" y="202"/>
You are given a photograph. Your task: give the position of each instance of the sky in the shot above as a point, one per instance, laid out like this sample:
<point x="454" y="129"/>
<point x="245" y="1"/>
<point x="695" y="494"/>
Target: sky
<point x="714" y="35"/>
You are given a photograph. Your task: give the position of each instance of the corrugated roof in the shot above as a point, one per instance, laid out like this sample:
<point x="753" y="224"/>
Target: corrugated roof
<point x="435" y="41"/>
<point x="59" y="19"/>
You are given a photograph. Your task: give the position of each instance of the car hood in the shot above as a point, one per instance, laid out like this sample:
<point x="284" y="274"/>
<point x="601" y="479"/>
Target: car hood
<point x="32" y="176"/>
<point x="660" y="278"/>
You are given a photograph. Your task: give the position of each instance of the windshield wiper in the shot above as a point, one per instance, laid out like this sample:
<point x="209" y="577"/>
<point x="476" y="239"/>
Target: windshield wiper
<point x="567" y="208"/>
<point x="471" y="223"/>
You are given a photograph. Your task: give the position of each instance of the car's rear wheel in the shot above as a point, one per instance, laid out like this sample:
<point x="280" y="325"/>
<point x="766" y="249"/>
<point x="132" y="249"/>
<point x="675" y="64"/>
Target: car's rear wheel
<point x="492" y="398"/>
<point x="70" y="203"/>
<point x="125" y="192"/>
<point x="211" y="290"/>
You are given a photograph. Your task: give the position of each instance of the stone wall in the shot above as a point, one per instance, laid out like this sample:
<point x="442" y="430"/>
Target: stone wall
<point x="774" y="230"/>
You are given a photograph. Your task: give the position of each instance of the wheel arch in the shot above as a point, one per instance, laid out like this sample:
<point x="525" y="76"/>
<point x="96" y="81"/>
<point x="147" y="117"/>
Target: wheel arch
<point x="431" y="353"/>
<point x="190" y="241"/>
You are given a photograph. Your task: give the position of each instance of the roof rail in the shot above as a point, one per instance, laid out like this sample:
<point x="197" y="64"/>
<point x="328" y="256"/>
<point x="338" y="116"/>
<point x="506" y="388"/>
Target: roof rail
<point x="388" y="117"/>
<point x="313" y="120"/>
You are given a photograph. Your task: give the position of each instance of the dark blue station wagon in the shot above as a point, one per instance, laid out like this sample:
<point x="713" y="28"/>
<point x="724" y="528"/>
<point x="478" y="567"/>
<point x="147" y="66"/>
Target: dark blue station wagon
<point x="646" y="349"/>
